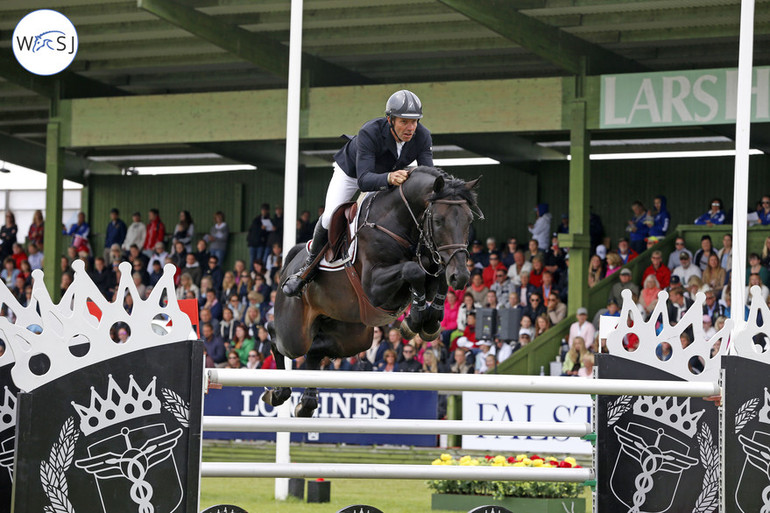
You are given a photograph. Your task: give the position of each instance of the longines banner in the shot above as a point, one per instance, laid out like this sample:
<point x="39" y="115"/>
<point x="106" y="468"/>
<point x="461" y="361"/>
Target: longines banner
<point x="680" y="98"/>
<point x="519" y="407"/>
<point x="345" y="404"/>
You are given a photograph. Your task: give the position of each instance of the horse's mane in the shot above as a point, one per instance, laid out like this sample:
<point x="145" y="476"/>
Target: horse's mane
<point x="454" y="188"/>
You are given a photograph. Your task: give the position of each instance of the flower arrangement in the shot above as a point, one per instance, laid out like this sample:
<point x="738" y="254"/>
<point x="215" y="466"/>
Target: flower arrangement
<point x="500" y="489"/>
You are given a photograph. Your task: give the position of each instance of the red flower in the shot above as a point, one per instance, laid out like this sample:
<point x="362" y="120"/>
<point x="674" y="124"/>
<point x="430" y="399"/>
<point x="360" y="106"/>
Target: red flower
<point x="578" y="466"/>
<point x="564" y="464"/>
<point x="552" y="462"/>
<point x="535" y="457"/>
<point x="511" y="459"/>
<point x="488" y="457"/>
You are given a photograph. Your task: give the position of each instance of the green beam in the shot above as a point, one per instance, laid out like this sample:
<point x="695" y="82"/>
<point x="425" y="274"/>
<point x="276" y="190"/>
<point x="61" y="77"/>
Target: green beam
<point x="550" y="43"/>
<point x="268" y="54"/>
<point x="72" y="85"/>
<point x="53" y="241"/>
<point x="511" y="105"/>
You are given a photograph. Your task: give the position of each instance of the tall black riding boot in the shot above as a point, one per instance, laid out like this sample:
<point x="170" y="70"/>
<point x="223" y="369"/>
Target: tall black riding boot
<point x="294" y="283"/>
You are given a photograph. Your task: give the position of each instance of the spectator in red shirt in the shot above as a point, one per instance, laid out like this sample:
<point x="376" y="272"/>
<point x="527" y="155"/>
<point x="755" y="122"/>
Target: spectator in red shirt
<point x="625" y="252"/>
<point x="536" y="275"/>
<point x="156" y="231"/>
<point x="489" y="271"/>
<point x="659" y="269"/>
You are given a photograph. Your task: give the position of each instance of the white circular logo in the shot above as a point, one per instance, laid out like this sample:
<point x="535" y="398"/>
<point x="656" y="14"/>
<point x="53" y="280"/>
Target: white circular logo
<point x="45" y="42"/>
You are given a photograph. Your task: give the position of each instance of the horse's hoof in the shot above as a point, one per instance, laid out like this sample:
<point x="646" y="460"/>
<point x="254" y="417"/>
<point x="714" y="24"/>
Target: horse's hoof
<point x="406" y="331"/>
<point x="276" y="396"/>
<point x="305" y="409"/>
<point x="427" y="337"/>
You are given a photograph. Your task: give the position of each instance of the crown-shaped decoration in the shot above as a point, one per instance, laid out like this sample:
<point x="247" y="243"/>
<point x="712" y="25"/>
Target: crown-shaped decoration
<point x="744" y="340"/>
<point x="73" y="338"/>
<point x="8" y="411"/>
<point x="680" y="362"/>
<point x="671" y="411"/>
<point x="117" y="406"/>
<point x="764" y="412"/>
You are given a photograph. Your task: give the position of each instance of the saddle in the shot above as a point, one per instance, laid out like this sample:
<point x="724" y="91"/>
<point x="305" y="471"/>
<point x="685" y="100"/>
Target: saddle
<point x="340" y="238"/>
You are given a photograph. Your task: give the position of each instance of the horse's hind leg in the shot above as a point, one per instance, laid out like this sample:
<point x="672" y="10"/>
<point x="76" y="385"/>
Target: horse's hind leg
<point x="278" y="395"/>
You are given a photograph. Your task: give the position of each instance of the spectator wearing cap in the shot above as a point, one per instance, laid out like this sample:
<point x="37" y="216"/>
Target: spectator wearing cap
<point x="115" y="233"/>
<point x="625" y="252"/>
<point x="701" y="257"/>
<point x="541" y="229"/>
<point x="490" y="271"/>
<point x="478" y="255"/>
<point x="673" y="258"/>
<point x="660" y="217"/>
<point x="611" y="310"/>
<point x="714" y="215"/>
<point x="601" y="252"/>
<point x="659" y="269"/>
<point x="520" y="264"/>
<point x="625" y="283"/>
<point x="582" y="328"/>
<point x="686" y="269"/>
<point x="637" y="228"/>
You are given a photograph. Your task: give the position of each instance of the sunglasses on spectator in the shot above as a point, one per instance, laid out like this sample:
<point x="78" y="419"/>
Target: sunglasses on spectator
<point x="766" y="202"/>
<point x="232" y="357"/>
<point x="715" y="204"/>
<point x="252" y="356"/>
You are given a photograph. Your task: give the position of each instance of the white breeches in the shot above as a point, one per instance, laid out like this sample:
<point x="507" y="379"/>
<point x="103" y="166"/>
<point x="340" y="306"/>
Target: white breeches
<point x="342" y="188"/>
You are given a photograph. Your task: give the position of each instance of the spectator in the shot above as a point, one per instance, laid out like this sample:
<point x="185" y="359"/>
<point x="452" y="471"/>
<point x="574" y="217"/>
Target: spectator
<point x="677" y="305"/>
<point x="702" y="255"/>
<point x="714" y="276"/>
<point x="202" y="254"/>
<point x="376" y="352"/>
<point x="649" y="296"/>
<point x="674" y="257"/>
<point x="186" y="286"/>
<point x="238" y="308"/>
<point x="184" y="231"/>
<point x="638" y="229"/>
<point x="158" y="253"/>
<point x="564" y="225"/>
<point x="595" y="271"/>
<point x="765" y="261"/>
<point x="8" y="234"/>
<point x="241" y="342"/>
<point x="255" y="360"/>
<point x="227" y="325"/>
<point x="470" y="327"/>
<point x="659" y="269"/>
<point x="252" y="319"/>
<point x="479" y="256"/>
<point x="581" y="328"/>
<point x="103" y="278"/>
<point x="555" y="258"/>
<point x="215" y="346"/>
<point x="304" y="227"/>
<point x="714" y="214"/>
<point x="80" y="232"/>
<point x="541" y="230"/>
<point x="492" y="247"/>
<point x="477" y="289"/>
<point x="556" y="310"/>
<point x="764" y="211"/>
<point x="511" y="247"/>
<point x="756" y="281"/>
<point x="461" y="364"/>
<point x="449" y="321"/>
<point x="712" y="307"/>
<point x="624" y="283"/>
<point x="469" y="305"/>
<point x="217" y="237"/>
<point x="614" y="263"/>
<point x="526" y="289"/>
<point x="536" y="276"/>
<point x="156" y="232"/>
<point x="115" y="233"/>
<point x="34" y="256"/>
<point x="215" y="272"/>
<point x="755" y="267"/>
<point x="694" y="285"/>
<point x="409" y="362"/>
<point x="533" y="250"/>
<point x="502" y="286"/>
<point x="9" y="273"/>
<point x="257" y="236"/>
<point x="228" y="287"/>
<point x="157" y="273"/>
<point x="663" y="351"/>
<point x="547" y="286"/>
<point x="535" y="307"/>
<point x="276" y="236"/>
<point x="491" y="301"/>
<point x="660" y="217"/>
<point x="686" y="269"/>
<point x="193" y="269"/>
<point x="36" y="230"/>
<point x="141" y="288"/>
<point x="587" y="370"/>
<point x="490" y="271"/>
<point x="233" y="360"/>
<point x="708" y="327"/>
<point x="18" y="254"/>
<point x="135" y="234"/>
<point x="513" y="301"/>
<point x="612" y="310"/>
<point x="542" y="324"/>
<point x="726" y="253"/>
<point x="625" y="252"/>
<point x="503" y="350"/>
<point x="432" y="364"/>
<point x="573" y="359"/>
<point x="388" y="363"/>
<point x="520" y="265"/>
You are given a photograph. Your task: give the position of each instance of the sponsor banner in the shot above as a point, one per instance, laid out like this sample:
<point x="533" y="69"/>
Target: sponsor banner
<point x="345" y="404"/>
<point x="680" y="98"/>
<point x="522" y="407"/>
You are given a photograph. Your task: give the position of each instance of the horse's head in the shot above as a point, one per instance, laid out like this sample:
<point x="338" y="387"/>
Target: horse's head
<point x="450" y="206"/>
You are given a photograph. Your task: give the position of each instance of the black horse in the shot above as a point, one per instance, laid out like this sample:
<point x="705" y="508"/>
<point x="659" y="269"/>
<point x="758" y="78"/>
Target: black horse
<point x="412" y="244"/>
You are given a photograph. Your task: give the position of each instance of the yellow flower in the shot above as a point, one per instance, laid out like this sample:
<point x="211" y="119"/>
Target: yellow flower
<point x="437" y="462"/>
<point x="446" y="457"/>
<point x="537" y="463"/>
<point x="474" y="462"/>
<point x="520" y="457"/>
<point x="527" y="462"/>
<point x="465" y="459"/>
<point x="499" y="460"/>
<point x="570" y="460"/>
<point x="519" y="464"/>
<point x="551" y="458"/>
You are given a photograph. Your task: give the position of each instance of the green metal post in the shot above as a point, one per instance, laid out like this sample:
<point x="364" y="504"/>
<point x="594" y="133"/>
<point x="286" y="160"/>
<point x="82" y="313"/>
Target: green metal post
<point x="53" y="241"/>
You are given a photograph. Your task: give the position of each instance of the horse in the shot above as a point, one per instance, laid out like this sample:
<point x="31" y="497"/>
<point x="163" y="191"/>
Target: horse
<point x="412" y="244"/>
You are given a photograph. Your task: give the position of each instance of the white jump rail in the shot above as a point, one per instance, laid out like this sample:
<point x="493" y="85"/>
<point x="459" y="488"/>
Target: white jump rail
<point x="453" y="382"/>
<point x="394" y="426"/>
<point x="392" y="471"/>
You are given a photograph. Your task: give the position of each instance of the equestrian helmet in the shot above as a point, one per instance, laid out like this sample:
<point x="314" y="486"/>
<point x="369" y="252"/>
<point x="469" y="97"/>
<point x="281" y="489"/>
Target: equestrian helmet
<point x="404" y="104"/>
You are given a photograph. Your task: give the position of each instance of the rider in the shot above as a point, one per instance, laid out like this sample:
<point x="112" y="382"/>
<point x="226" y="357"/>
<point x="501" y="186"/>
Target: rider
<point x="373" y="160"/>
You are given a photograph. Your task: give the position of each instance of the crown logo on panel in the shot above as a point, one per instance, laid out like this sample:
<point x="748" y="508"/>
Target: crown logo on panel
<point x="764" y="412"/>
<point x="8" y="410"/>
<point x="666" y="346"/>
<point x="117" y="406"/>
<point x="671" y="411"/>
<point x="752" y="340"/>
<point x="70" y="337"/>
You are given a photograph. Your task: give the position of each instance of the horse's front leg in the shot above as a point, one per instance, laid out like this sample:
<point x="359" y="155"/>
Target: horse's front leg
<point x="415" y="277"/>
<point x="278" y="395"/>
<point x="434" y="314"/>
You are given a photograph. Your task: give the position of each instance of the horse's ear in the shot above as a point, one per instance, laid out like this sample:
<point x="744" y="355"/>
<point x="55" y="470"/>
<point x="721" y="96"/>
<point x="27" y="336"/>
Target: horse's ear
<point x="473" y="183"/>
<point x="438" y="184"/>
